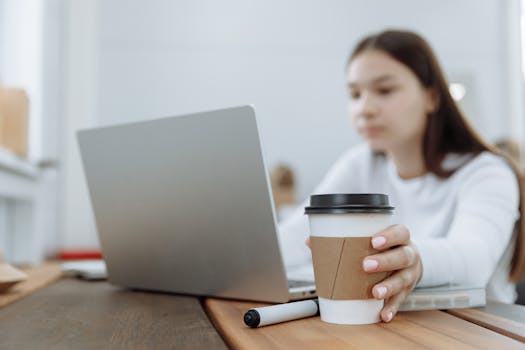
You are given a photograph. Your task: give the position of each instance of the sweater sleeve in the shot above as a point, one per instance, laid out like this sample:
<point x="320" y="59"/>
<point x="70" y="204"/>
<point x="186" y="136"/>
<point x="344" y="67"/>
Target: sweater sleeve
<point x="486" y="211"/>
<point x="293" y="232"/>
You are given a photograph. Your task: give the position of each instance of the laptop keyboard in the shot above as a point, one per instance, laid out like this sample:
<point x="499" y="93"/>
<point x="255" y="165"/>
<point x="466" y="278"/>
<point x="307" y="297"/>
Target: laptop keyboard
<point x="296" y="283"/>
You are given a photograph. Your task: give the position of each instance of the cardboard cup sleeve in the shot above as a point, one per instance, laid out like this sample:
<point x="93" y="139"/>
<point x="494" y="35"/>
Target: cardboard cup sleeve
<point x="338" y="267"/>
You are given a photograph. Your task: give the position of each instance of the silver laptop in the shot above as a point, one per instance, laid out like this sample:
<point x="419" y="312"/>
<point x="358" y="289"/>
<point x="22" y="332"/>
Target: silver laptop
<point x="183" y="205"/>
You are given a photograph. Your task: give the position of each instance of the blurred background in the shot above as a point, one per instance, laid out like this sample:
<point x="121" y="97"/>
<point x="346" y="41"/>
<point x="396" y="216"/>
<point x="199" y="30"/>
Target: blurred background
<point x="71" y="64"/>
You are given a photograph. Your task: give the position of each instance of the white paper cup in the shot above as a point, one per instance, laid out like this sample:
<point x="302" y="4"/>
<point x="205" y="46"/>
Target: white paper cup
<point x="341" y="224"/>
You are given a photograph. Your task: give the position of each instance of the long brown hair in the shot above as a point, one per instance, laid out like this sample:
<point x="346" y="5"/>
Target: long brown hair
<point x="447" y="129"/>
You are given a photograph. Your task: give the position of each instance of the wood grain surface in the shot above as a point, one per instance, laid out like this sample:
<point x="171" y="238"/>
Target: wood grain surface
<point x="38" y="277"/>
<point x="75" y="314"/>
<point x="506" y="319"/>
<point x="409" y="330"/>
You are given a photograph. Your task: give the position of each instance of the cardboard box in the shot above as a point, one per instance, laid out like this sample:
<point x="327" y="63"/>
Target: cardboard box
<point x="14" y="120"/>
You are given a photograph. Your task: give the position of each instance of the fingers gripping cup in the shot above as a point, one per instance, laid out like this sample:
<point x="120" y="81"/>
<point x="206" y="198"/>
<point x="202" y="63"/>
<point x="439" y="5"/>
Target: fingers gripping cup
<point x="341" y="227"/>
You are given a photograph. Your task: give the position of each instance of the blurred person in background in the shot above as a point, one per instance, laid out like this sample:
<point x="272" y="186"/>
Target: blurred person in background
<point x="458" y="199"/>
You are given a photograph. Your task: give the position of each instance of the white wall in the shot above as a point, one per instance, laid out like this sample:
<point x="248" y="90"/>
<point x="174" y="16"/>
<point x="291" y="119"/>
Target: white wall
<point x="287" y="58"/>
<point x="79" y="111"/>
<point x="514" y="66"/>
<point x="161" y="58"/>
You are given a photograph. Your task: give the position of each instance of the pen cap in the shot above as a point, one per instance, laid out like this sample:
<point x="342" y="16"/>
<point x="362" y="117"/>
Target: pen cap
<point x="251" y="318"/>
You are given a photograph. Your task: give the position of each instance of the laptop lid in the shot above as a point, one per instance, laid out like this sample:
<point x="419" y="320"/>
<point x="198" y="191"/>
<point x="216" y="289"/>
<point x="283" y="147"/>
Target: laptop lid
<point x="182" y="204"/>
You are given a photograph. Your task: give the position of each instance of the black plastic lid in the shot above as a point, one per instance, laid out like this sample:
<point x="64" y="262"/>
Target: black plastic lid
<point x="342" y="203"/>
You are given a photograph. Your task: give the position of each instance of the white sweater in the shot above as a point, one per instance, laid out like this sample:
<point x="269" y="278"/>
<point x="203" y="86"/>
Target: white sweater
<point x="462" y="225"/>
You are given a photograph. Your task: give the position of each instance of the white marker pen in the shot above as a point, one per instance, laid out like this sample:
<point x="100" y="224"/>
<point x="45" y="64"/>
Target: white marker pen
<point x="263" y="316"/>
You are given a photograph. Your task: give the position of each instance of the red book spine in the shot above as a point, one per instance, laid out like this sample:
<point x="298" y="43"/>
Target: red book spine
<point x="79" y="254"/>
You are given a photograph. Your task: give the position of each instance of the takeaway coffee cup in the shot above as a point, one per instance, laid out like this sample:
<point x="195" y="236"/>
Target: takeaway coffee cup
<point x="341" y="226"/>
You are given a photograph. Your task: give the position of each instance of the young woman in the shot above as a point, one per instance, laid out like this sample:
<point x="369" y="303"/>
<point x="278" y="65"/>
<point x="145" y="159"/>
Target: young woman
<point x="457" y="200"/>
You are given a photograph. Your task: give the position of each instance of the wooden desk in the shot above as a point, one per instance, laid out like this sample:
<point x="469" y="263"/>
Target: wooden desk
<point x="505" y="319"/>
<point x="74" y="314"/>
<point x="409" y="330"/>
<point x="37" y="277"/>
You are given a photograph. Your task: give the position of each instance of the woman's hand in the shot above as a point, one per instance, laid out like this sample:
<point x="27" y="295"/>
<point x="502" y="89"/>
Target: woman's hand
<point x="400" y="256"/>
